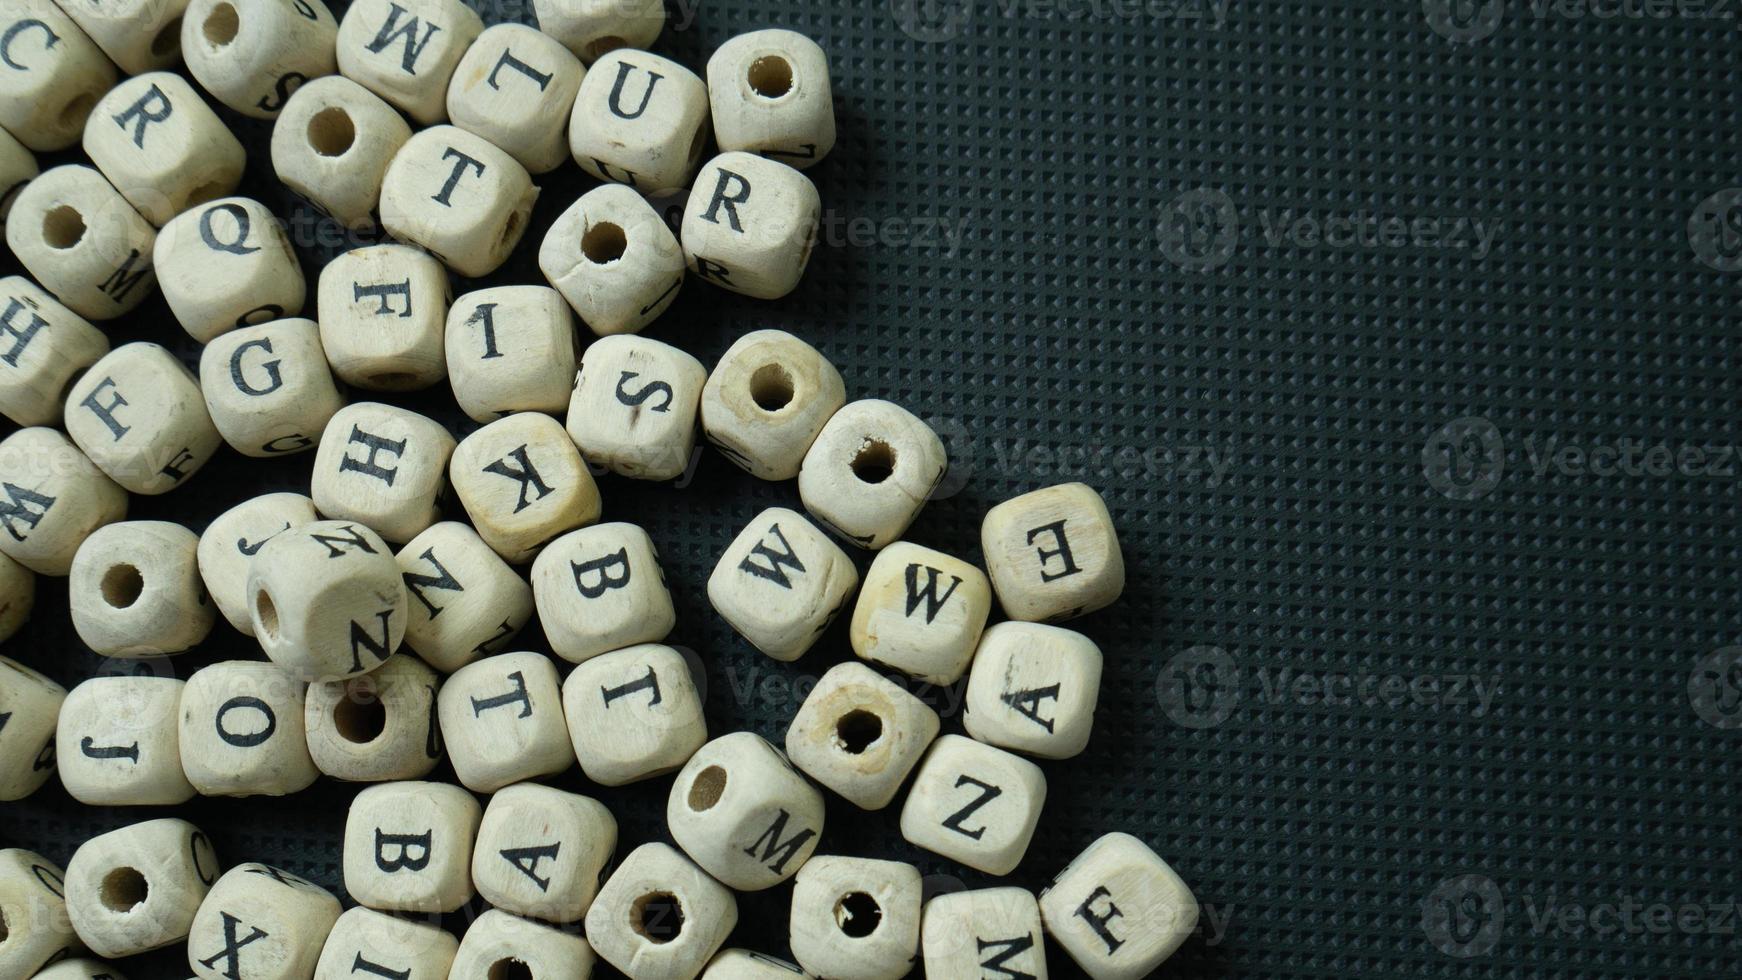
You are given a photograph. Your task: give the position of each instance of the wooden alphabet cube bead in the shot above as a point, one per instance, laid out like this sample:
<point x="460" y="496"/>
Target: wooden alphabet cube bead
<point x="921" y="612"/>
<point x="750" y="225"/>
<point x="139" y="415"/>
<point x="52" y="75"/>
<point x="984" y="933"/>
<point x="138" y="35"/>
<point x="1033" y="689"/>
<point x="17" y="596"/>
<point x="590" y="28"/>
<point x="326" y="600"/>
<point x="781" y="582"/>
<point x="744" y="964"/>
<point x="499" y="945"/>
<point x="1118" y="909"/>
<point x="83" y="242"/>
<point x="366" y="942"/>
<point x="80" y="969"/>
<point x="31" y="704"/>
<point x="767" y="399"/>
<point x="856" y="918"/>
<point x="116" y="742"/>
<point x="974" y="804"/>
<point x="268" y="388"/>
<point x="242" y="731"/>
<point x="511" y="349"/>
<point x="225" y="265"/>
<point x="406" y="51"/>
<point x="523" y="483"/>
<point x="634" y="407"/>
<point x="17" y="166"/>
<point x="770" y="94"/>
<point x="408" y="847"/>
<point x="633" y="714"/>
<point x="502" y="718"/>
<point x="260" y="923"/>
<point x="253" y="54"/>
<point x="162" y="147"/>
<point x="741" y="811"/>
<point x="860" y="735"/>
<point x="601" y="589"/>
<point x="870" y="471"/>
<point x="33" y="903"/>
<point x="542" y="852"/>
<point x="332" y="144"/>
<point x="508" y="87"/>
<point x="640" y="120"/>
<point x="378" y="727"/>
<point x="135" y="590"/>
<point x="382" y="310"/>
<point x="43" y="347"/>
<point x="660" y="916"/>
<point x="1053" y="554"/>
<point x="233" y="538"/>
<point x="614" y="260"/>
<point x="466" y="602"/>
<point x="51" y="498"/>
<point x="136" y="889"/>
<point x="384" y="467"/>
<point x="457" y="196"/>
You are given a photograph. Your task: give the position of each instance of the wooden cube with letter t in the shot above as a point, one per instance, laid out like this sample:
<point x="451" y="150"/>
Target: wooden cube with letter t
<point x="502" y="718"/>
<point x="1053" y="553"/>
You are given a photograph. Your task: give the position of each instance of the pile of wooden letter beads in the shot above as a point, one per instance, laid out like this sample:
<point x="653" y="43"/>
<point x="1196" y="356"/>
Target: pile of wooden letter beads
<point x="387" y="626"/>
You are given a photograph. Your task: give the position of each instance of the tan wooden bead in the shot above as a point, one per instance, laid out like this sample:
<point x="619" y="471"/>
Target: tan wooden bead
<point x="382" y="310"/>
<point x="601" y="589"/>
<point x="408" y="847"/>
<point x="17" y="167"/>
<point x="232" y="540"/>
<point x="511" y="83"/>
<point x="614" y="259"/>
<point x="660" y="916"/>
<point x="135" y="590"/>
<point x="542" y="852"/>
<point x="466" y="602"/>
<point x="633" y="714"/>
<point x="770" y="94"/>
<point x="377" y="727"/>
<point x="1053" y="554"/>
<point x="870" y="471"/>
<point x="32" y="891"/>
<point x="83" y="242"/>
<point x="138" y="35"/>
<point x="384" y="467"/>
<point x="227" y="264"/>
<point x="52" y="75"/>
<point x="138" y="414"/>
<point x="856" y="918"/>
<point x="242" y="731"/>
<point x="860" y="735"/>
<point x="1033" y="689"/>
<point x="252" y="54"/>
<point x="32" y="705"/>
<point x="260" y="923"/>
<point x="502" y="719"/>
<point x="523" y="483"/>
<point x="741" y="811"/>
<point x="43" y="347"/>
<point x="136" y="889"/>
<point x="984" y="932"/>
<point x="51" y="498"/>
<point x="1118" y="909"/>
<point x="268" y="388"/>
<point x="921" y="612"/>
<point x="116" y="742"/>
<point x="743" y="964"/>
<point x="17" y="596"/>
<point x="510" y="349"/>
<point x="459" y="197"/>
<point x="80" y="969"/>
<point x="406" y="51"/>
<point x="781" y="582"/>
<point x="326" y="600"/>
<point x="162" y="147"/>
<point x="750" y="225"/>
<point x="974" y="804"/>
<point x="640" y="120"/>
<point x="500" y="945"/>
<point x="767" y="399"/>
<point x="634" y="407"/>
<point x="332" y="144"/>
<point x="590" y="28"/>
<point x="366" y="942"/>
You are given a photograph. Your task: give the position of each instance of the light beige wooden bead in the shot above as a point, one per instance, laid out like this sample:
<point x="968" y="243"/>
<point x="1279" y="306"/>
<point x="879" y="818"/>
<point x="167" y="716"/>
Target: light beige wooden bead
<point x="601" y="589"/>
<point x="770" y="94"/>
<point x="459" y="197"/>
<point x="781" y="582"/>
<point x="382" y="309"/>
<point x="633" y="714"/>
<point x="326" y="600"/>
<point x="860" y="735"/>
<point x="523" y="483"/>
<point x="634" y="407"/>
<point x="32" y="704"/>
<point x="660" y="916"/>
<point x="511" y="83"/>
<point x="499" y="945"/>
<point x="365" y="942"/>
<point x="332" y="144"/>
<point x="767" y="399"/>
<point x="466" y="602"/>
<point x="590" y="28"/>
<point x="252" y="54"/>
<point x="640" y="120"/>
<point x="17" y="166"/>
<point x="743" y="813"/>
<point x="408" y="847"/>
<point x="511" y="349"/>
<point x="502" y="719"/>
<point x="32" y="903"/>
<point x="43" y="347"/>
<point x="116" y="742"/>
<point x="383" y="466"/>
<point x="406" y="50"/>
<point x="138" y="35"/>
<point x="136" y="889"/>
<point x="974" y="804"/>
<point x="921" y="612"/>
<point x="542" y="852"/>
<point x="242" y="731"/>
<point x="51" y="499"/>
<point x="1033" y="689"/>
<point x="225" y="265"/>
<point x="377" y="727"/>
<point x="614" y="260"/>
<point x="232" y="540"/>
<point x="138" y="414"/>
<point x="83" y="242"/>
<point x="80" y="969"/>
<point x="51" y="75"/>
<point x="1053" y="553"/>
<point x="987" y="932"/>
<point x="260" y="923"/>
<point x="750" y="225"/>
<point x="268" y="388"/>
<point x="870" y="471"/>
<point x="1118" y="909"/>
<point x="162" y="147"/>
<point x="856" y="918"/>
<point x="743" y="964"/>
<point x="17" y="596"/>
<point x="135" y="590"/>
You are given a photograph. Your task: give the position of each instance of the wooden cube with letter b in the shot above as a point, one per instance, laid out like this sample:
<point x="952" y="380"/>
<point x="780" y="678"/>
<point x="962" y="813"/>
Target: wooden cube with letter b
<point x="408" y="846"/>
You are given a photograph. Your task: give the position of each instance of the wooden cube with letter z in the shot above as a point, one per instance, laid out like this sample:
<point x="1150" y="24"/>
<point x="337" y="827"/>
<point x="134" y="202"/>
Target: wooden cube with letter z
<point x="466" y="602"/>
<point x="781" y="582"/>
<point x="1053" y="554"/>
<point x="408" y="846"/>
<point x="260" y="923"/>
<point x="326" y="600"/>
<point x="974" y="804"/>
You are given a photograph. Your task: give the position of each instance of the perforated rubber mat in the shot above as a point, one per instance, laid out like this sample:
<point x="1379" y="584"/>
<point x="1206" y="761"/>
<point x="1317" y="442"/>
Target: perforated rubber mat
<point x="1400" y="338"/>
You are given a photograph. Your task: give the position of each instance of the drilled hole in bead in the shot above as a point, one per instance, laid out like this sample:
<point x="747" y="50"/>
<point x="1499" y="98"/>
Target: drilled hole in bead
<point x="63" y="227"/>
<point x="122" y="585"/>
<point x="122" y="889"/>
<point x="770" y="76"/>
<point x="221" y="25"/>
<point x="168" y="40"/>
<point x="709" y="786"/>
<point x="657" y="916"/>
<point x="77" y="108"/>
<point x="858" y="914"/>
<point x="267" y="613"/>
<point x="510" y="229"/>
<point x="771" y="387"/>
<point x="604" y="242"/>
<point x="360" y="720"/>
<point x="599" y="47"/>
<point x="331" y="132"/>
<point x="5" y="929"/>
<point x="875" y="462"/>
<point x="856" y="731"/>
<point x="509" y="969"/>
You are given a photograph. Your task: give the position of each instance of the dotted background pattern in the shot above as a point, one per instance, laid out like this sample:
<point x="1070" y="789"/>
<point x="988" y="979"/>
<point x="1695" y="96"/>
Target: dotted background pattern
<point x="1400" y="337"/>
